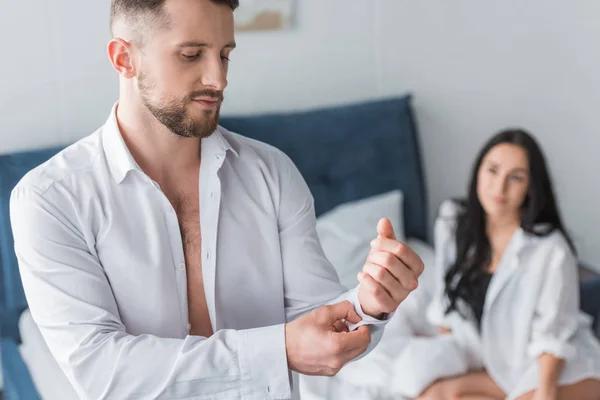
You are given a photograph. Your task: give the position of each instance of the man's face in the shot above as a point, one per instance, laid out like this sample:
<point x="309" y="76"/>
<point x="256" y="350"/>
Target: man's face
<point x="183" y="68"/>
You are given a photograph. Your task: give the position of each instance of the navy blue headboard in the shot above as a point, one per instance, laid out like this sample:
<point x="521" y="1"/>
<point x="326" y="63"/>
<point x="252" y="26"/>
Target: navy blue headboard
<point x="12" y="300"/>
<point x="350" y="152"/>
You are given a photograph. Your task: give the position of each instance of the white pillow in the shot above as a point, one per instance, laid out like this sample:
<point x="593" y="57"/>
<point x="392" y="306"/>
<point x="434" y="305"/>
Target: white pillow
<point x="347" y="230"/>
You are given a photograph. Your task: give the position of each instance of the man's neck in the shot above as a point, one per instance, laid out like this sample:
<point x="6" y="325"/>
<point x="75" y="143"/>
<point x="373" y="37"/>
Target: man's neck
<point x="159" y="152"/>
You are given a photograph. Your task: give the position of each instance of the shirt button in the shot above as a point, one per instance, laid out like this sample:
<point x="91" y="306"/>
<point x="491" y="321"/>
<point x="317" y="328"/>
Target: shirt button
<point x="208" y="255"/>
<point x="182" y="266"/>
<point x="212" y="195"/>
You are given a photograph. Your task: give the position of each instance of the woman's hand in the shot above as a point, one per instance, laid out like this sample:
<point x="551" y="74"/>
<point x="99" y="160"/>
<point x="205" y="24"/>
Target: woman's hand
<point x="443" y="330"/>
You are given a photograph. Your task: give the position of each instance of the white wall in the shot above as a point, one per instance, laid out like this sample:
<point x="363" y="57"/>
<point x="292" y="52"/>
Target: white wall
<point x="56" y="84"/>
<point x="474" y="67"/>
<point x="477" y="66"/>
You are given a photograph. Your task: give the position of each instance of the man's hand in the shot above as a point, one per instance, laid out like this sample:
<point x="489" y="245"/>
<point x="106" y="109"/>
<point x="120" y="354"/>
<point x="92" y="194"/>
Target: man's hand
<point x="319" y="343"/>
<point x="390" y="273"/>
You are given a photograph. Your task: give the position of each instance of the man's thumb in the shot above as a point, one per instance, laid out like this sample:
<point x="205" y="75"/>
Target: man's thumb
<point x="385" y="229"/>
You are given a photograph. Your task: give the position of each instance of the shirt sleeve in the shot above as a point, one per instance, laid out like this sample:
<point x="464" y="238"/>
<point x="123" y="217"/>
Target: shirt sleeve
<point x="556" y="317"/>
<point x="309" y="278"/>
<point x="71" y="301"/>
<point x="444" y="245"/>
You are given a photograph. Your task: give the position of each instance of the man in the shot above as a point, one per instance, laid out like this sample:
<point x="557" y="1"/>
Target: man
<point x="165" y="257"/>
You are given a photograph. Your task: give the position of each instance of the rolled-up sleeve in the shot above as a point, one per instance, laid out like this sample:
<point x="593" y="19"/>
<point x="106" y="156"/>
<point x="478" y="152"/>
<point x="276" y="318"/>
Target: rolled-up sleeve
<point x="71" y="301"/>
<point x="309" y="278"/>
<point x="556" y="316"/>
<point x="436" y="310"/>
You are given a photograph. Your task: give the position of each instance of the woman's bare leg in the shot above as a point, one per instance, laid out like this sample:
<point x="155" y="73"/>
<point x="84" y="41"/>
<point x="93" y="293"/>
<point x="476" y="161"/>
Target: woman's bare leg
<point x="588" y="389"/>
<point x="478" y="397"/>
<point x="471" y="386"/>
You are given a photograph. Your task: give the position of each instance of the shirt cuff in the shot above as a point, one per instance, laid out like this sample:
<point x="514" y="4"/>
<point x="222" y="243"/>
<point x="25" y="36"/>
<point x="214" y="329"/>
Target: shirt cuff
<point x="558" y="348"/>
<point x="263" y="363"/>
<point x="365" y="319"/>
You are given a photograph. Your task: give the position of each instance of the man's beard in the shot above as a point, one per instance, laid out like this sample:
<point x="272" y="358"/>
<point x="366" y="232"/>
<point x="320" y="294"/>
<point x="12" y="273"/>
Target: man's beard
<point x="174" y="114"/>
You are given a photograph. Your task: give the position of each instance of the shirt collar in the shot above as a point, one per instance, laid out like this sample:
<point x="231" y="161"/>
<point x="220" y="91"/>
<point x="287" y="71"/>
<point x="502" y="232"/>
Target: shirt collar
<point x="121" y="161"/>
<point x="119" y="158"/>
<point x="217" y="144"/>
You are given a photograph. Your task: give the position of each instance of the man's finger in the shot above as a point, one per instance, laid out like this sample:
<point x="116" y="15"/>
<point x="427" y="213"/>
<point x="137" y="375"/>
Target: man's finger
<point x="340" y="326"/>
<point x="385" y="229"/>
<point x="401" y="251"/>
<point x="343" y="310"/>
<point x="354" y="340"/>
<point x="384" y="277"/>
<point x="352" y="354"/>
<point x="396" y="268"/>
<point x="379" y="294"/>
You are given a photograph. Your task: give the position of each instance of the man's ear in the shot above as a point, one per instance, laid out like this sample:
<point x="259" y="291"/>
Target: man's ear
<point x="120" y="53"/>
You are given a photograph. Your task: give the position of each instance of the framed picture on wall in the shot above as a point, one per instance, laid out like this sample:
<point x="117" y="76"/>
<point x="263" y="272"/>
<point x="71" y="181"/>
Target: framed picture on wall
<point x="264" y="15"/>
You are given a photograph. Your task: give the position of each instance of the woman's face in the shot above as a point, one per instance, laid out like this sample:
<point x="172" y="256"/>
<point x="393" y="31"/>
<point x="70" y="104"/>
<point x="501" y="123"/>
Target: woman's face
<point x="503" y="180"/>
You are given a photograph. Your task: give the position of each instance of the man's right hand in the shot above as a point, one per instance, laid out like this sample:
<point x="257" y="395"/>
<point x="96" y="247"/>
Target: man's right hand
<point x="318" y="344"/>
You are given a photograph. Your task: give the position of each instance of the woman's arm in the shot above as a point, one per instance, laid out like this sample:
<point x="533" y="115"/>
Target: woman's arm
<point x="556" y="318"/>
<point x="550" y="367"/>
<point x="444" y="244"/>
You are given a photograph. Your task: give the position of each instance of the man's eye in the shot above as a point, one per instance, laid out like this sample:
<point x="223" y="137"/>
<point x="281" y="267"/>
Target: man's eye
<point x="191" y="57"/>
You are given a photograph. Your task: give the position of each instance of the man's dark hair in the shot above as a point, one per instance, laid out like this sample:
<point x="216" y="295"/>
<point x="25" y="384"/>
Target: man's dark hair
<point x="148" y="11"/>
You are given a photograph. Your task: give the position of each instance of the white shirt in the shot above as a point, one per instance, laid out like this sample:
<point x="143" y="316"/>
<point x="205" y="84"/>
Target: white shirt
<point x="102" y="264"/>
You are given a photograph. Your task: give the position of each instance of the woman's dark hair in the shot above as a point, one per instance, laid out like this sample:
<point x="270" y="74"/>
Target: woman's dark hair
<point x="473" y="252"/>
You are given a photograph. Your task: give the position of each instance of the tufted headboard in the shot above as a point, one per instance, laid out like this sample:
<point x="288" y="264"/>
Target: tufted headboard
<point x="345" y="153"/>
<point x="350" y="152"/>
<point x="12" y="300"/>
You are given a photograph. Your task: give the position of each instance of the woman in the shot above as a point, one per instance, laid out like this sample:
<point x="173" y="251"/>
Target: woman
<point x="507" y="301"/>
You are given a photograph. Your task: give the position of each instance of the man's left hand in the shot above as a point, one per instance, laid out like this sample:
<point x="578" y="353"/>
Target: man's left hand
<point x="390" y="273"/>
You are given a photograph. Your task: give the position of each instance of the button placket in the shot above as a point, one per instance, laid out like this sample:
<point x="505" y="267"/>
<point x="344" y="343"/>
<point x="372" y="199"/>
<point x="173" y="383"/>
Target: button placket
<point x="176" y="246"/>
<point x="209" y="235"/>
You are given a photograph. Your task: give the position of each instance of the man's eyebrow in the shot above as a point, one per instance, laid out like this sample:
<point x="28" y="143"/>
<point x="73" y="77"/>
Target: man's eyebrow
<point x="192" y="44"/>
<point x="230" y="45"/>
